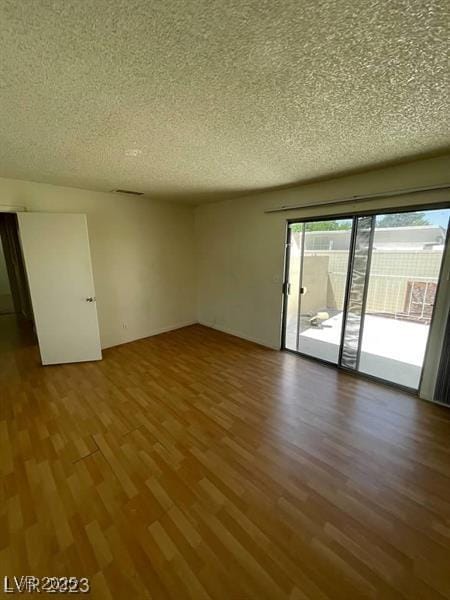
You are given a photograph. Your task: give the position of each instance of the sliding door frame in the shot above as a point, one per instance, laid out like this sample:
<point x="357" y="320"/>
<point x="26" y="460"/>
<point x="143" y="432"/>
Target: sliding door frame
<point x="285" y="290"/>
<point x="350" y="262"/>
<point x="353" y="217"/>
<point x="355" y="220"/>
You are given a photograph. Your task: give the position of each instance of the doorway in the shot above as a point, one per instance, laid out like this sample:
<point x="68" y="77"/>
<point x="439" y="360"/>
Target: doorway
<point x="360" y="291"/>
<point x="16" y="315"/>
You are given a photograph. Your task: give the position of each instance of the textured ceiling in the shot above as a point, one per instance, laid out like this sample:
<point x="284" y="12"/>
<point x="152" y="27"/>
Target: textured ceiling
<point x="203" y="99"/>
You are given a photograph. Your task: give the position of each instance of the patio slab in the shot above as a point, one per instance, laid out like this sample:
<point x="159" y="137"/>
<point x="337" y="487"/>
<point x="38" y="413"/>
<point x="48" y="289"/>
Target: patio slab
<point x="391" y="349"/>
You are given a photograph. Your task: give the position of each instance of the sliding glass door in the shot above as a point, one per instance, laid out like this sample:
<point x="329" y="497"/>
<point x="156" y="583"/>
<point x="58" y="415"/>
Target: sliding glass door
<point x="360" y="291"/>
<point x="407" y="253"/>
<point x="318" y="271"/>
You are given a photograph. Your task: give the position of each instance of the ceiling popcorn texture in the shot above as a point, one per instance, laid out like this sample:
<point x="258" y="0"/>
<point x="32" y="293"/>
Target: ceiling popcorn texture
<point x="206" y="99"/>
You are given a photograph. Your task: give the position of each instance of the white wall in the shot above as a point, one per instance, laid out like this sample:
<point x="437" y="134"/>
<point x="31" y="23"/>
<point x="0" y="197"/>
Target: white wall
<point x="142" y="256"/>
<point x="240" y="249"/>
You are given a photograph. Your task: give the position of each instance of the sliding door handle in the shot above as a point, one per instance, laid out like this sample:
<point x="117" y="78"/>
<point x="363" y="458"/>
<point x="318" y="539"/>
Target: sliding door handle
<point x="90" y="299"/>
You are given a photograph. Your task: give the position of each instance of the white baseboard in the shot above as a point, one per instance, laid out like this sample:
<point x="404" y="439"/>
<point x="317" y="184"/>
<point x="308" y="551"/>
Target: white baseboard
<point x="238" y="334"/>
<point x="151" y="333"/>
<point x="171" y="328"/>
<point x="160" y="330"/>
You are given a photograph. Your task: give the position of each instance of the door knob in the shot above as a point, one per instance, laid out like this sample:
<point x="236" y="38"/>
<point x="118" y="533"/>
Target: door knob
<point x="90" y="299"/>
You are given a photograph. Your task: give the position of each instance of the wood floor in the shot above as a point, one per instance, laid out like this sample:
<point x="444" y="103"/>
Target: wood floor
<point x="197" y="465"/>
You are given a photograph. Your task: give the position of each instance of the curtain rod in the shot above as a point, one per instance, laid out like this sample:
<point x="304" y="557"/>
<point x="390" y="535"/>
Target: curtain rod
<point x="442" y="186"/>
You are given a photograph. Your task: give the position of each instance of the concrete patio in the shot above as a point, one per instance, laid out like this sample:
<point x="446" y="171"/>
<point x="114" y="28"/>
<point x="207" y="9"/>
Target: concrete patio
<point x="392" y="349"/>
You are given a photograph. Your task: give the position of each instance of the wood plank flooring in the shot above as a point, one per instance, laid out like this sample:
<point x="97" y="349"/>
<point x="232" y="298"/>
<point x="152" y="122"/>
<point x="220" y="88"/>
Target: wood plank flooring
<point x="197" y="465"/>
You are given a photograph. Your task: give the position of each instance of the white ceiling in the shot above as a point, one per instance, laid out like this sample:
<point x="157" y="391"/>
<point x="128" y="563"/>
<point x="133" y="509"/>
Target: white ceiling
<point x="204" y="99"/>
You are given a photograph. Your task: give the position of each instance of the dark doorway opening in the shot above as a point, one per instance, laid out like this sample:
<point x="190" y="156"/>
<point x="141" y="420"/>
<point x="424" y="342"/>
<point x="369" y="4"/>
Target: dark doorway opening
<point x="16" y="315"/>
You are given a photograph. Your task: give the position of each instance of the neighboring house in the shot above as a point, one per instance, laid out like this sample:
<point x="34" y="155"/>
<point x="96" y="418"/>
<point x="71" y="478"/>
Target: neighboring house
<point x="415" y="237"/>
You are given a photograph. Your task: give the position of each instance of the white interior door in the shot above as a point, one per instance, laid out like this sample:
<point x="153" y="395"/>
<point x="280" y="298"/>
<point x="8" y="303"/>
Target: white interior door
<point x="58" y="264"/>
